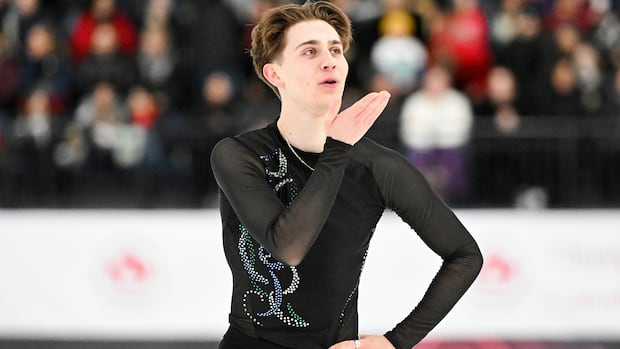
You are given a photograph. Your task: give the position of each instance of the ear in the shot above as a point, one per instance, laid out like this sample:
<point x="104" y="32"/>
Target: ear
<point x="270" y="72"/>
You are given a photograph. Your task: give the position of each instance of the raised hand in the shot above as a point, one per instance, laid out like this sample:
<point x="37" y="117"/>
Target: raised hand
<point x="351" y="124"/>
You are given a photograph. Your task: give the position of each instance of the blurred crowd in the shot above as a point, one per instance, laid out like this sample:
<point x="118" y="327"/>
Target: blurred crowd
<point x="118" y="103"/>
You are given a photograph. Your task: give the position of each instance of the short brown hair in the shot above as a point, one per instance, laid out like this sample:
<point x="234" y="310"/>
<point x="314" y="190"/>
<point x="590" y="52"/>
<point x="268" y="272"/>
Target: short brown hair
<point x="268" y="34"/>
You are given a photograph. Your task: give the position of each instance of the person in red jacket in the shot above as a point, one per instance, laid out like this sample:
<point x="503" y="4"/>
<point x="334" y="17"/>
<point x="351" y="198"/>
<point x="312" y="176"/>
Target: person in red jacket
<point x="102" y="11"/>
<point x="460" y="40"/>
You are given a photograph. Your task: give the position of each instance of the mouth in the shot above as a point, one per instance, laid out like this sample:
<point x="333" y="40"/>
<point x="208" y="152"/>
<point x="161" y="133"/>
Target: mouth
<point x="329" y="82"/>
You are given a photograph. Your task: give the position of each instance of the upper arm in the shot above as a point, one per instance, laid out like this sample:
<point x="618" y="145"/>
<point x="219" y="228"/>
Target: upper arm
<point x="408" y="193"/>
<point x="240" y="176"/>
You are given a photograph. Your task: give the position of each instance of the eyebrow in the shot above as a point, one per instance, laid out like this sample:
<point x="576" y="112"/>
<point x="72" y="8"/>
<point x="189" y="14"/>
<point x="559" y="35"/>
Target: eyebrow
<point x="315" y="42"/>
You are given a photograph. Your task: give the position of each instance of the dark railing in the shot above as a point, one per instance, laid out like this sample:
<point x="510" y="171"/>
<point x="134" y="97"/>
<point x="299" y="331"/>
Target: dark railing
<point x="558" y="162"/>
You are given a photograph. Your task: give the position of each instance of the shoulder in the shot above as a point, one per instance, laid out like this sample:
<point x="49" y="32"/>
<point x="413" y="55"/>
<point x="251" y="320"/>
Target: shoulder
<point x="250" y="139"/>
<point x="376" y="156"/>
<point x="246" y="143"/>
<point x="392" y="171"/>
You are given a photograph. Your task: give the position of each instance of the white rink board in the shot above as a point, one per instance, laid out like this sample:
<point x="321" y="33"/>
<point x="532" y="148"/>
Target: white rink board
<point x="162" y="274"/>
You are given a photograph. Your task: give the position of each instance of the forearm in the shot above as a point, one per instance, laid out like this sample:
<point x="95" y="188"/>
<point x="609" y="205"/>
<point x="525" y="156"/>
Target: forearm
<point x="455" y="276"/>
<point x="288" y="225"/>
<point x="294" y="231"/>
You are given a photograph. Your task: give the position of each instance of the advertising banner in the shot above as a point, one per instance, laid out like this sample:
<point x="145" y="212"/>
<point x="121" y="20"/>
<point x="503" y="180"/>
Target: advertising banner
<point x="548" y="276"/>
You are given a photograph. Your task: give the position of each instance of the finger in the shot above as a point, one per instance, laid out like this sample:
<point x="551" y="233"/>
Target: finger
<point x="374" y="109"/>
<point x="360" y="105"/>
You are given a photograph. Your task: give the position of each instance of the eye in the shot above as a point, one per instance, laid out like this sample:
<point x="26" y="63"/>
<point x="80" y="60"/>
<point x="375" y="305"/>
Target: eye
<point x="309" y="52"/>
<point x="336" y="50"/>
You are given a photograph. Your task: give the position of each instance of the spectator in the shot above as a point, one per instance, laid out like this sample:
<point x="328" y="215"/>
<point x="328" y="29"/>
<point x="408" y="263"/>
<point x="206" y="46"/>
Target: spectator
<point x="397" y="54"/>
<point x="590" y="80"/>
<point x="501" y="103"/>
<point x="159" y="68"/>
<point x="154" y="14"/>
<point x="46" y="67"/>
<point x="496" y="173"/>
<point x="529" y="56"/>
<point x="98" y="13"/>
<point x="460" y="40"/>
<point x="19" y="16"/>
<point x="29" y="165"/>
<point x="396" y="27"/>
<point x="141" y="146"/>
<point x="577" y="13"/>
<point x="606" y="39"/>
<point x="216" y="116"/>
<point x="567" y="39"/>
<point x="563" y="97"/>
<point x="144" y="109"/>
<point x="435" y="128"/>
<point x="100" y="115"/>
<point x="503" y="23"/>
<point x="106" y="63"/>
<point x="215" y="51"/>
<point x="173" y="16"/>
<point x="101" y="105"/>
<point x="386" y="128"/>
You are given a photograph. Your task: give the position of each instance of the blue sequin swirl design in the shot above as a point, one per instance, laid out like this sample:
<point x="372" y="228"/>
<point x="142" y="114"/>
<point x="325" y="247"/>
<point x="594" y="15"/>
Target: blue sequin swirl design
<point x="276" y="171"/>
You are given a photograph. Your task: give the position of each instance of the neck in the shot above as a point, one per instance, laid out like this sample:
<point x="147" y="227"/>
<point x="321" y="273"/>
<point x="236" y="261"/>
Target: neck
<point x="303" y="130"/>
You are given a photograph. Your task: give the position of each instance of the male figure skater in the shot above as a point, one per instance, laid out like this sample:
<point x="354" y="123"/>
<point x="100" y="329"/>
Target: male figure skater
<point x="300" y="199"/>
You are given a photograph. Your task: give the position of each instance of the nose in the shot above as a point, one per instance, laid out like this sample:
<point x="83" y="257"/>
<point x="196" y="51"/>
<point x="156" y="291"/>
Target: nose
<point x="329" y="62"/>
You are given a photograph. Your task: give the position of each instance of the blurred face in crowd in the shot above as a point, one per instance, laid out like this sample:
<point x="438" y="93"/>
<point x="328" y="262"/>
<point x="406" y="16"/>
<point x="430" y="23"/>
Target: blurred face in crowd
<point x="436" y="80"/>
<point x="465" y="5"/>
<point x="159" y="8"/>
<point x="563" y="77"/>
<point x="104" y="40"/>
<point x="566" y="7"/>
<point x="311" y="70"/>
<point x="528" y="24"/>
<point x="140" y="100"/>
<point x="512" y="6"/>
<point x="103" y="9"/>
<point x="567" y="38"/>
<point x="217" y="89"/>
<point x="39" y="42"/>
<point x="104" y="98"/>
<point x="502" y="88"/>
<point x="37" y="103"/>
<point x="27" y="7"/>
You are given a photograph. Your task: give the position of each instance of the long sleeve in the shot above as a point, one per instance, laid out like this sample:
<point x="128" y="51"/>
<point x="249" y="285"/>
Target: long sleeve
<point x="407" y="192"/>
<point x="286" y="231"/>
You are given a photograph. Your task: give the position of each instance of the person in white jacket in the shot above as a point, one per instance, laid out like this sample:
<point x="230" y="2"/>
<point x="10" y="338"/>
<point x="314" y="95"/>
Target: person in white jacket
<point x="436" y="122"/>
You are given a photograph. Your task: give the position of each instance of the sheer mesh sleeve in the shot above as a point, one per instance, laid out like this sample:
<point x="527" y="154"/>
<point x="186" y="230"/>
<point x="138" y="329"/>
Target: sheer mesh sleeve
<point x="286" y="232"/>
<point x="407" y="192"/>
